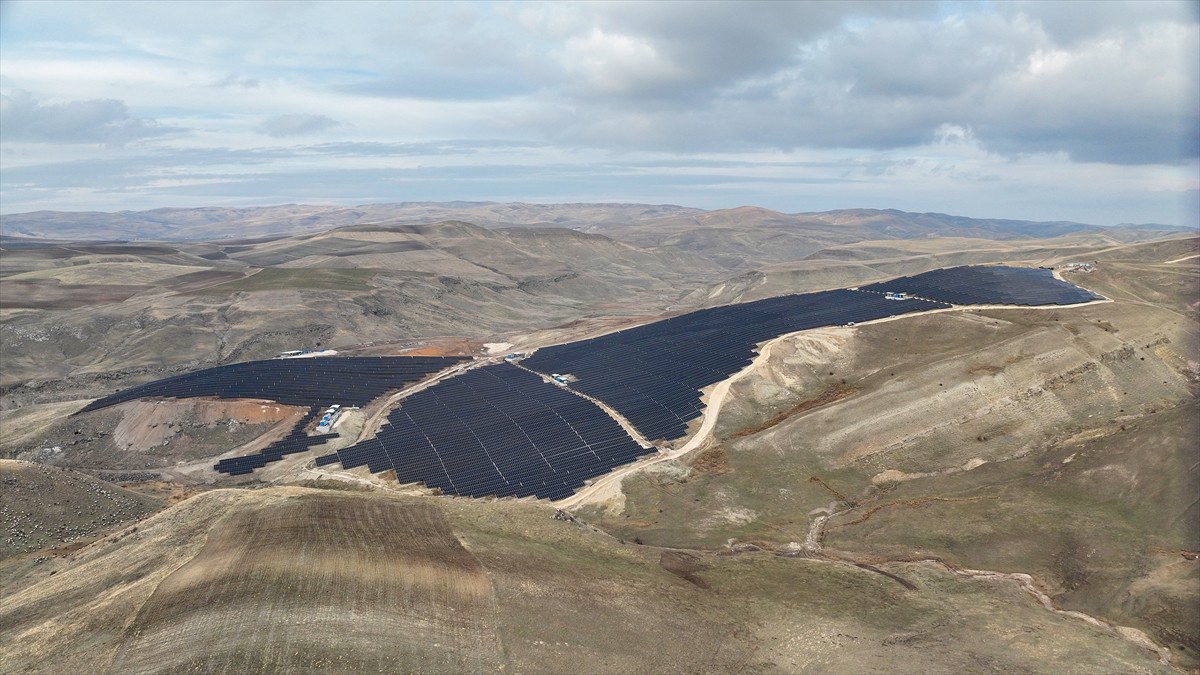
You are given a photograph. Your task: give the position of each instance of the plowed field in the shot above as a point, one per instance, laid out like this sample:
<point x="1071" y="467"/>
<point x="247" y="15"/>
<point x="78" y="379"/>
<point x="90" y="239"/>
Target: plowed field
<point x="332" y="583"/>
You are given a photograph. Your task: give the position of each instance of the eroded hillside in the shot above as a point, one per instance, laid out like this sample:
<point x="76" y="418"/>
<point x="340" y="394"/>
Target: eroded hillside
<point x="299" y="579"/>
<point x="1060" y="443"/>
<point x="855" y="477"/>
<point x="77" y="324"/>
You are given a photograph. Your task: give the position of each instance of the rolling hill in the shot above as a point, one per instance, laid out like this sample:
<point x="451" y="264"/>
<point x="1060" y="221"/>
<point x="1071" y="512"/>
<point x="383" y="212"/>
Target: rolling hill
<point x="975" y="490"/>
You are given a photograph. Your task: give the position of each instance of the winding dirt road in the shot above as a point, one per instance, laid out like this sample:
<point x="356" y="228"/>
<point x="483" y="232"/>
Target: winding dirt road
<point x="609" y="485"/>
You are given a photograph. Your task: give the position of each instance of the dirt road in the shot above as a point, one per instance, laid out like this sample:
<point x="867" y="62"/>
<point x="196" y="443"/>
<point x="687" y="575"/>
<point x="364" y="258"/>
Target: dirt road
<point x="608" y="487"/>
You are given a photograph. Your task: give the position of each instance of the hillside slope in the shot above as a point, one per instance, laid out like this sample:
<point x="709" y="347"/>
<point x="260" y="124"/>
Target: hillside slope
<point x="334" y="582"/>
<point x="46" y="507"/>
<point x="77" y="321"/>
<point x="934" y="493"/>
<point x="1059" y="443"/>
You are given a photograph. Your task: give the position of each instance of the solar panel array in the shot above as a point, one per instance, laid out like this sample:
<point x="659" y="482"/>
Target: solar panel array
<point x="296" y="441"/>
<point x="501" y="430"/>
<point x="323" y="381"/>
<point x="496" y="430"/>
<point x="652" y="374"/>
<point x="987" y="285"/>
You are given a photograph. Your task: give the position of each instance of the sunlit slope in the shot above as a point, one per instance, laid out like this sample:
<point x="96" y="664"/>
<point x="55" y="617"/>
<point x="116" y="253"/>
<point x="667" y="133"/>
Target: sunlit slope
<point x="329" y="582"/>
<point x="1110" y="525"/>
<point x="1055" y="442"/>
<point x="294" y="579"/>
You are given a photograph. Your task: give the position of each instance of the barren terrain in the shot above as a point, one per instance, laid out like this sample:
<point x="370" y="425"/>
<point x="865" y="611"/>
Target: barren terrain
<point x="335" y="581"/>
<point x="1055" y="442"/>
<point x="970" y="490"/>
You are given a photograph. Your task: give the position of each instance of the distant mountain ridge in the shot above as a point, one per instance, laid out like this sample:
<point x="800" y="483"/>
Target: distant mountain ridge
<point x="636" y="223"/>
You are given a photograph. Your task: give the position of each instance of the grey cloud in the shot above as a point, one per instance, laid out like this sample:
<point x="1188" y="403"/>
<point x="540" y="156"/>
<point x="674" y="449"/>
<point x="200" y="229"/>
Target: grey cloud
<point x="1126" y="96"/>
<point x="923" y="58"/>
<point x="111" y="171"/>
<point x="465" y="182"/>
<point x="283" y="126"/>
<point x="1131" y="98"/>
<point x="96" y="121"/>
<point x="131" y="185"/>
<point x="1068" y="23"/>
<point x="418" y="149"/>
<point x="710" y="45"/>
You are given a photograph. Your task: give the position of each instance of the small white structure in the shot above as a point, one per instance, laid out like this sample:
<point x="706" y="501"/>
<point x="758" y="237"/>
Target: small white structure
<point x="305" y="353"/>
<point x="330" y="418"/>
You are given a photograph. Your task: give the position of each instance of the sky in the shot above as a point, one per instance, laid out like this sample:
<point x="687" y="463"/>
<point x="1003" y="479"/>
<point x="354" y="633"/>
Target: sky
<point x="1082" y="111"/>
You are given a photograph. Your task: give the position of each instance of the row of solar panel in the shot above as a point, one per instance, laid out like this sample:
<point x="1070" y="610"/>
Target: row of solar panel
<point x="988" y="284"/>
<point x="349" y="380"/>
<point x="503" y="431"/>
<point x="496" y="430"/>
<point x="653" y="374"/>
<point x="296" y="441"/>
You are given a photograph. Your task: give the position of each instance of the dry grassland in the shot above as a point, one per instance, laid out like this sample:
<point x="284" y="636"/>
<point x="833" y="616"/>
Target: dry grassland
<point x="293" y="579"/>
<point x="1053" y="442"/>
<point x="1057" y="443"/>
<point x="325" y="582"/>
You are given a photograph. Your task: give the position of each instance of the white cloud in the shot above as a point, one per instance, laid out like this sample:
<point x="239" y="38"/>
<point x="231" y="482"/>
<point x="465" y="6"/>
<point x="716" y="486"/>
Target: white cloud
<point x="882" y="95"/>
<point x="610" y="64"/>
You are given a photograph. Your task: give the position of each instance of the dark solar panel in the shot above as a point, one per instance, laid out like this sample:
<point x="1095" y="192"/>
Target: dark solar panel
<point x="988" y="284"/>
<point x="496" y="430"/>
<point x="296" y="441"/>
<point x="348" y="380"/>
<point x="500" y="430"/>
<point x="653" y="374"/>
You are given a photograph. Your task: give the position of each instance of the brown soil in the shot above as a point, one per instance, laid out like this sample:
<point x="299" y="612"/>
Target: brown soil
<point x="51" y="294"/>
<point x="149" y="424"/>
<point x="897" y="578"/>
<point x="247" y="412"/>
<point x="194" y="281"/>
<point x="820" y="481"/>
<point x="334" y="484"/>
<point x="330" y="582"/>
<point x="288" y="579"/>
<point x="683" y="565"/>
<point x="170" y="492"/>
<point x="904" y="502"/>
<point x="712" y="462"/>
<point x="830" y="395"/>
<point x="44" y="506"/>
<point x="446" y="347"/>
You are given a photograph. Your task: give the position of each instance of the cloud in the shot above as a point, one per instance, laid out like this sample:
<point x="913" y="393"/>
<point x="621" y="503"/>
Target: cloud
<point x="234" y="80"/>
<point x="1117" y="83"/>
<point x="685" y="52"/>
<point x="813" y="78"/>
<point x="284" y="126"/>
<point x="1066" y="25"/>
<point x="98" y="121"/>
<point x="920" y="103"/>
<point x="1127" y="97"/>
